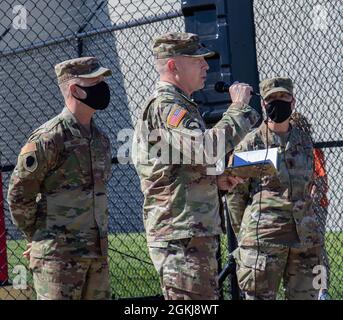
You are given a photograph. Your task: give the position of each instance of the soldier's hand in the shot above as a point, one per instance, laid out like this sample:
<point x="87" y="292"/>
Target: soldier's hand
<point x="240" y="92"/>
<point x="228" y="183"/>
<point x="27" y="252"/>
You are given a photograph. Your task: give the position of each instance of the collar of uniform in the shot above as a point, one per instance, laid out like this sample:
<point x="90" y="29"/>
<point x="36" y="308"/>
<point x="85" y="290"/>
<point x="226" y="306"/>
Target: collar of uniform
<point x="294" y="135"/>
<point x="274" y="138"/>
<point x="74" y="126"/>
<point x="163" y="86"/>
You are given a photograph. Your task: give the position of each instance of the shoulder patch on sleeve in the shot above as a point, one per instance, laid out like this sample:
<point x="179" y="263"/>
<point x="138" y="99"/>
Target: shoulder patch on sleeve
<point x="193" y="123"/>
<point x="175" y="116"/>
<point x="29" y="147"/>
<point x="30" y="162"/>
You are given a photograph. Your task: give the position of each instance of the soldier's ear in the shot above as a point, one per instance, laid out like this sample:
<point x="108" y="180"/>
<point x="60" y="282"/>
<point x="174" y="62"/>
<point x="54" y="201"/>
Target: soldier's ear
<point x="76" y="91"/>
<point x="73" y="90"/>
<point x="171" y="65"/>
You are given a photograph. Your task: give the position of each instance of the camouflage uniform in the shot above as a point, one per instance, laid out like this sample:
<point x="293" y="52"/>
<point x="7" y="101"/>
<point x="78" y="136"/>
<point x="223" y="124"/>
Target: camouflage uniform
<point x="273" y="217"/>
<point x="181" y="207"/>
<point x="318" y="192"/>
<point x="57" y="197"/>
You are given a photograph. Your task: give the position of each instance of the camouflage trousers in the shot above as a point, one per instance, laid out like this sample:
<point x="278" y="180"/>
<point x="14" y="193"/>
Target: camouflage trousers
<point x="259" y="275"/>
<point x="73" y="279"/>
<point x="187" y="268"/>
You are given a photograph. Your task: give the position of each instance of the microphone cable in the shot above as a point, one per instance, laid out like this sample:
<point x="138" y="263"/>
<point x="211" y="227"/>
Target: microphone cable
<point x="260" y="206"/>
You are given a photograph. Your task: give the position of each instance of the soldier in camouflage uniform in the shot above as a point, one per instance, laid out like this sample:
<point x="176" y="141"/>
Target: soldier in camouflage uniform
<point x="181" y="207"/>
<point x="278" y="235"/>
<point x="57" y="192"/>
<point x="319" y="197"/>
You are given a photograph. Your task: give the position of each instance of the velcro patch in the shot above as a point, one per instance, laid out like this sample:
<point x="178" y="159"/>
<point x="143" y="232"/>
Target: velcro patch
<point x="29" y="147"/>
<point x="176" y="116"/>
<point x="192" y="124"/>
<point x="30" y="162"/>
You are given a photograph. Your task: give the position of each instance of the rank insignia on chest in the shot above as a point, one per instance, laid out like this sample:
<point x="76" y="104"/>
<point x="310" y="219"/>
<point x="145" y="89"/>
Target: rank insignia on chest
<point x="176" y="116"/>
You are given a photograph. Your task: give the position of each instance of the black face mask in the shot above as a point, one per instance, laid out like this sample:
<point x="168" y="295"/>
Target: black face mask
<point x="98" y="96"/>
<point x="278" y="110"/>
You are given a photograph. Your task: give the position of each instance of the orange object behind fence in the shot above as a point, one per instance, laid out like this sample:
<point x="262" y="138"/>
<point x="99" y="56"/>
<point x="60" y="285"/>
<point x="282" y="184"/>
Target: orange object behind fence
<point x="321" y="175"/>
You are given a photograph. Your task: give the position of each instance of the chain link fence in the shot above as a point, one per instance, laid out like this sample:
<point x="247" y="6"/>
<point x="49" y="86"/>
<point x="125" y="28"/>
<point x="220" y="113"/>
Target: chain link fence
<point x="119" y="33"/>
<point x="36" y="35"/>
<point x="303" y="40"/>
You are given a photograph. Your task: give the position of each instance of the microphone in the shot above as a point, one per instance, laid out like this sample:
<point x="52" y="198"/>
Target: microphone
<point x="223" y="87"/>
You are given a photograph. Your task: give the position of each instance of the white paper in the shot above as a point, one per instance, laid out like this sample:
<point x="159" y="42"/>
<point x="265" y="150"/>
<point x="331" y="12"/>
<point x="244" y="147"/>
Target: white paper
<point x="256" y="156"/>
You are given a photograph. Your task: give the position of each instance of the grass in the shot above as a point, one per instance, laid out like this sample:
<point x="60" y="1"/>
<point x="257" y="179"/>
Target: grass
<point x="133" y="275"/>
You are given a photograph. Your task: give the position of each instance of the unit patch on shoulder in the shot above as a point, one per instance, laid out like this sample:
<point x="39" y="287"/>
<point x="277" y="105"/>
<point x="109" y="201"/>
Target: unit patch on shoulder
<point x="28" y="157"/>
<point x="175" y="116"/>
<point x="30" y="162"/>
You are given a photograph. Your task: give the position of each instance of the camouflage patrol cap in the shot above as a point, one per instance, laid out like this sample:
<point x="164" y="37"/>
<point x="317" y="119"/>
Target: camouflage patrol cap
<point x="179" y="44"/>
<point x="85" y="67"/>
<point x="278" y="84"/>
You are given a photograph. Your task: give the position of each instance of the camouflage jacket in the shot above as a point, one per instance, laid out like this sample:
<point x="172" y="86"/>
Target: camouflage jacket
<point x="57" y="192"/>
<point x="287" y="218"/>
<point x="181" y="198"/>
